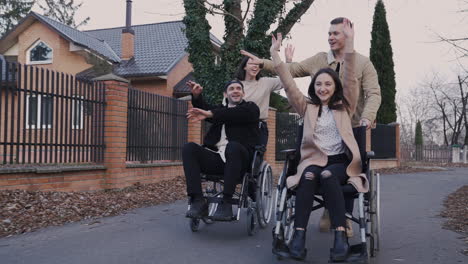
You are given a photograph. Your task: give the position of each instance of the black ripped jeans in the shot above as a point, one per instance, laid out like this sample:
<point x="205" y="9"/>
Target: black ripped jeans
<point x="329" y="179"/>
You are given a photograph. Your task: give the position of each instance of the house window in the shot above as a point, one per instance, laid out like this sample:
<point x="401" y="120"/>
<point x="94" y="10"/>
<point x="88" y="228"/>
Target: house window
<point x="39" y="53"/>
<point x="39" y="111"/>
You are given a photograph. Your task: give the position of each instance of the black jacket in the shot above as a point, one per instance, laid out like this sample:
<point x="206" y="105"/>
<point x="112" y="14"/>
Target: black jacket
<point x="241" y="123"/>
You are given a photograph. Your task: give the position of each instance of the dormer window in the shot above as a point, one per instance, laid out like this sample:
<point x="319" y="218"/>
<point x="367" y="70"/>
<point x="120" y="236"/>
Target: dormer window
<point x="39" y="53"/>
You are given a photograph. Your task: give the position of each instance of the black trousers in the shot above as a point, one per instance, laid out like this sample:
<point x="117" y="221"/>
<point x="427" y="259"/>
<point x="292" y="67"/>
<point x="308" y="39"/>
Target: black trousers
<point x="197" y="159"/>
<point x="329" y="179"/>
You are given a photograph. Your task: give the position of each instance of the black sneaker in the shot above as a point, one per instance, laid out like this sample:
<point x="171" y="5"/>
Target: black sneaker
<point x="223" y="212"/>
<point x="198" y="208"/>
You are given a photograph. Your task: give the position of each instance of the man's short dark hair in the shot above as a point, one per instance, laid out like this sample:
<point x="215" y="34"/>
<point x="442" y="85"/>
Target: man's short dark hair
<point x="231" y="82"/>
<point x="338" y="20"/>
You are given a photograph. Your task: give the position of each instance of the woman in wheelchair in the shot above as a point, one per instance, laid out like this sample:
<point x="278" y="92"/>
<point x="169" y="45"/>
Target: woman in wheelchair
<point x="329" y="152"/>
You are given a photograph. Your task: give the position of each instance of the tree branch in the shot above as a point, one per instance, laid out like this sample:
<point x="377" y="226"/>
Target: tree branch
<point x="221" y="11"/>
<point x="293" y="16"/>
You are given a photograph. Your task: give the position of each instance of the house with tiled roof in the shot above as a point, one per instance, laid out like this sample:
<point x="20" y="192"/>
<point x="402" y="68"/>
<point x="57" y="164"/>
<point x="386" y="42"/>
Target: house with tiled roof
<point x="151" y="56"/>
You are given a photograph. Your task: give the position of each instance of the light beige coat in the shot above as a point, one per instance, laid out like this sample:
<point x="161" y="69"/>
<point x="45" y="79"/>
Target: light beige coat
<point x="311" y="154"/>
<point x="369" y="97"/>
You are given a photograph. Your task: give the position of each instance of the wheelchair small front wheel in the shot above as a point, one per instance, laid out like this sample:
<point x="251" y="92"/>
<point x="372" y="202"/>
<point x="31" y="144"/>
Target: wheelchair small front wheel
<point x="211" y="210"/>
<point x="194" y="224"/>
<point x="251" y="222"/>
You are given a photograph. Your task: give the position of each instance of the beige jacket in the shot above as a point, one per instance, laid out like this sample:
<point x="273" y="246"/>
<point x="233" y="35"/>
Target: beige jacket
<point x="369" y="98"/>
<point x="311" y="154"/>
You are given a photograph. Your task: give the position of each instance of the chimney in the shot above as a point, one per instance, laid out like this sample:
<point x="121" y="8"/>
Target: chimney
<point x="128" y="35"/>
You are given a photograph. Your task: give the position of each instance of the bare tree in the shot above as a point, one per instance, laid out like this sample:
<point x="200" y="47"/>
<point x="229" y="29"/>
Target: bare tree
<point x="441" y="106"/>
<point x="463" y="87"/>
<point x="451" y="105"/>
<point x="417" y="105"/>
<point x="459" y="43"/>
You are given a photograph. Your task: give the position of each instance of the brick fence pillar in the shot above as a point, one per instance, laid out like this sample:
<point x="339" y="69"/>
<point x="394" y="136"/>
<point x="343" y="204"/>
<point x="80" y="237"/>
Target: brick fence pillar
<point x="465" y="154"/>
<point x="397" y="142"/>
<point x="270" y="154"/>
<point x="115" y="130"/>
<point x="194" y="130"/>
<point x="455" y="154"/>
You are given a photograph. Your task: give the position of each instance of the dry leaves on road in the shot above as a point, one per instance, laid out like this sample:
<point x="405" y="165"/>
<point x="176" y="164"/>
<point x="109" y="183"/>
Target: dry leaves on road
<point x="23" y="211"/>
<point x="456" y="210"/>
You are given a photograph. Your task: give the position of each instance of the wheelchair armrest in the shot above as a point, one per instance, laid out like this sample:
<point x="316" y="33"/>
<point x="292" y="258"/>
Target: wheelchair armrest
<point x="370" y="154"/>
<point x="288" y="151"/>
<point x="260" y="148"/>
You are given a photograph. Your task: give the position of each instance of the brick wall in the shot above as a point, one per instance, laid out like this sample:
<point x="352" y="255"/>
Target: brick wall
<point x="115" y="172"/>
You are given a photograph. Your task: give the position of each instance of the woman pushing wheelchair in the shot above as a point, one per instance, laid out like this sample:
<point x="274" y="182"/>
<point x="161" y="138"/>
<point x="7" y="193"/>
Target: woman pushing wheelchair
<point x="329" y="152"/>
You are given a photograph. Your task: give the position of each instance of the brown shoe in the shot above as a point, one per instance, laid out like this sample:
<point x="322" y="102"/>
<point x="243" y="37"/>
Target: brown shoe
<point x="349" y="228"/>
<point x="324" y="223"/>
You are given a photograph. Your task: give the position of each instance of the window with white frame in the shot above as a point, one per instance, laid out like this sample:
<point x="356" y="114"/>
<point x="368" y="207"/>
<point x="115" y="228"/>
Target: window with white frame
<point x="39" y="53"/>
<point x="39" y="111"/>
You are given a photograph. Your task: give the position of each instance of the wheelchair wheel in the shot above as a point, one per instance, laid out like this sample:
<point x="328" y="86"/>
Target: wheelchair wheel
<point x="264" y="195"/>
<point x="374" y="204"/>
<point x="251" y="222"/>
<point x="194" y="224"/>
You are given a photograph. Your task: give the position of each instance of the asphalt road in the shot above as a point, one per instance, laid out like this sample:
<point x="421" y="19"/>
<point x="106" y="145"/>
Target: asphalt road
<point x="411" y="233"/>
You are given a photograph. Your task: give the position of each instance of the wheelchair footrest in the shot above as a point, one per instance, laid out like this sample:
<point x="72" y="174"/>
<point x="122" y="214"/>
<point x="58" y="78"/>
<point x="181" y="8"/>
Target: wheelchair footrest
<point x="280" y="248"/>
<point x="219" y="199"/>
<point x="358" y="253"/>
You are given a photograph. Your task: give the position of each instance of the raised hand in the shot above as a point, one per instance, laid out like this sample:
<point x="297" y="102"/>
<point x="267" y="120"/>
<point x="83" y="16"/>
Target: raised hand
<point x="348" y="32"/>
<point x="254" y="59"/>
<point x="195" y="88"/>
<point x="197" y="114"/>
<point x="276" y="42"/>
<point x="289" y="53"/>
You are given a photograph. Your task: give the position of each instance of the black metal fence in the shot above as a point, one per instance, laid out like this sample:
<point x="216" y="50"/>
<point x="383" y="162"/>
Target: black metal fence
<point x="49" y="117"/>
<point x="157" y="127"/>
<point x="286" y="132"/>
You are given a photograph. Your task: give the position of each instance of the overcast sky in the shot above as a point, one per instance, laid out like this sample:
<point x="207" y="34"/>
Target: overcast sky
<point x="413" y="26"/>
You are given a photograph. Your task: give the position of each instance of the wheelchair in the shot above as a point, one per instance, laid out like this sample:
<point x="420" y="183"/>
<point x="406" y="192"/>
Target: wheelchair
<point x="368" y="217"/>
<point x="255" y="194"/>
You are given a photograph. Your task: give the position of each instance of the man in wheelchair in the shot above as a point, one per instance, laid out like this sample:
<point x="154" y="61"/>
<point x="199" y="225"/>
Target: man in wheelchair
<point x="228" y="148"/>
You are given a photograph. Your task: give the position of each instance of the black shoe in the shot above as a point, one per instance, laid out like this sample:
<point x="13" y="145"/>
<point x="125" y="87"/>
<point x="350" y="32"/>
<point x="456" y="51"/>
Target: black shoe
<point x="340" y="250"/>
<point x="297" y="248"/>
<point x="223" y="212"/>
<point x="198" y="208"/>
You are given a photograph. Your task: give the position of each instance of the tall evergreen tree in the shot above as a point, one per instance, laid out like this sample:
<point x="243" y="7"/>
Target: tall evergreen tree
<point x="418" y="138"/>
<point x="381" y="55"/>
<point x="11" y="11"/>
<point x="244" y="29"/>
<point x="418" y="141"/>
<point x="63" y="11"/>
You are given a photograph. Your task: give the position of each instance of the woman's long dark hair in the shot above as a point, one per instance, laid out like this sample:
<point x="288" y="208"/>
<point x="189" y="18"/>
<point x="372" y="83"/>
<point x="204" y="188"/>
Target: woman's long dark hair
<point x="337" y="101"/>
<point x="240" y="74"/>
